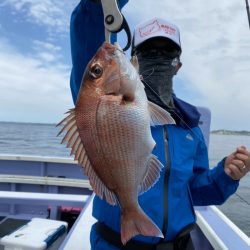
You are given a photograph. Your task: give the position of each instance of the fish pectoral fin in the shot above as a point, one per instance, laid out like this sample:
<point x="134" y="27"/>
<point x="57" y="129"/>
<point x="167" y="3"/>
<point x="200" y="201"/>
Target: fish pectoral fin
<point x="152" y="175"/>
<point x="159" y="116"/>
<point x="73" y="139"/>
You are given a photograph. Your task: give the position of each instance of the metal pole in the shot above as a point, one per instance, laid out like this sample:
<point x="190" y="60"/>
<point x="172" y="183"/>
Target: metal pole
<point x="248" y="13"/>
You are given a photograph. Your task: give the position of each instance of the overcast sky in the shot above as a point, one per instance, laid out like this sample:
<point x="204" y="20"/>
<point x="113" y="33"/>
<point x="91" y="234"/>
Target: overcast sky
<point x="35" y="57"/>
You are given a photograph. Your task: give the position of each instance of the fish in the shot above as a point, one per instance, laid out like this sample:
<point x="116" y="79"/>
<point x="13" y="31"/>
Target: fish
<point x="109" y="134"/>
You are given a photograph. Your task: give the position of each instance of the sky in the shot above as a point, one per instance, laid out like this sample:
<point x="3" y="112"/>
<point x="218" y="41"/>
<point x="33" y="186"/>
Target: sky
<point x="35" y="60"/>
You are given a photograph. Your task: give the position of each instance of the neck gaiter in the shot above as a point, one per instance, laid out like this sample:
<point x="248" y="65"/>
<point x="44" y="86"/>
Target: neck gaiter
<point x="157" y="72"/>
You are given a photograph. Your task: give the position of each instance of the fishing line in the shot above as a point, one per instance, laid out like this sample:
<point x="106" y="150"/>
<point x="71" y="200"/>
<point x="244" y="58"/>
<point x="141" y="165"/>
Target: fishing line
<point x="194" y="133"/>
<point x="152" y="71"/>
<point x="241" y="198"/>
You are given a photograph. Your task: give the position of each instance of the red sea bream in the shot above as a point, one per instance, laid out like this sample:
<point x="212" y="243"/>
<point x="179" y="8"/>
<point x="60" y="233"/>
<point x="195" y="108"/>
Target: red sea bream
<point x="109" y="133"/>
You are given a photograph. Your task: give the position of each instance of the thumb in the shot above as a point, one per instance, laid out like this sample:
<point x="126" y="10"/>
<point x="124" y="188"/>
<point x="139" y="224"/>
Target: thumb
<point x="228" y="171"/>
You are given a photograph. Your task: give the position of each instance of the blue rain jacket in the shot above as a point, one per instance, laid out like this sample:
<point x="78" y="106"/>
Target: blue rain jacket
<point x="187" y="179"/>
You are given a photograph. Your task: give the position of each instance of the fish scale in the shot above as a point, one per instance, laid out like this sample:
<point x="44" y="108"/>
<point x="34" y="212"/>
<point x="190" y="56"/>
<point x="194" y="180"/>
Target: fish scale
<point x="119" y="156"/>
<point x="109" y="132"/>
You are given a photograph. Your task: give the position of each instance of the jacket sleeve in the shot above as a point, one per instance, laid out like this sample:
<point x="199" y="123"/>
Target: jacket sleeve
<point x="210" y="186"/>
<point x="86" y="36"/>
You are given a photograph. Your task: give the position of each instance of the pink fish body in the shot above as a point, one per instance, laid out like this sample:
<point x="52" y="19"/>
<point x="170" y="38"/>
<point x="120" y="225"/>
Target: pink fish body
<point x="109" y="133"/>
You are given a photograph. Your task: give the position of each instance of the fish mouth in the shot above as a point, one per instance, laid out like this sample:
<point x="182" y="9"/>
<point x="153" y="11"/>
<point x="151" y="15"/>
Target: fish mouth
<point x="121" y="73"/>
<point x="113" y="47"/>
<point x="114" y="52"/>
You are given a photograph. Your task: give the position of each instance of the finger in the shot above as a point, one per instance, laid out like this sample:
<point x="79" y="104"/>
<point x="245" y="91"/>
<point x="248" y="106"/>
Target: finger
<point x="242" y="148"/>
<point x="244" y="155"/>
<point x="241" y="156"/>
<point x="230" y="158"/>
<point x="239" y="164"/>
<point x="234" y="172"/>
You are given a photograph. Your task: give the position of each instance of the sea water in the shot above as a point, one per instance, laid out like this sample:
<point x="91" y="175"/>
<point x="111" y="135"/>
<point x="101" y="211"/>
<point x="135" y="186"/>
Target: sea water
<point x="237" y="207"/>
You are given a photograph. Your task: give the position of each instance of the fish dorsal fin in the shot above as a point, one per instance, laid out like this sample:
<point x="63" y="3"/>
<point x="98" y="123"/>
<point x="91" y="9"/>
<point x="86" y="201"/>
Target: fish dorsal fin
<point x="159" y="116"/>
<point x="154" y="167"/>
<point x="73" y="140"/>
<point x="135" y="63"/>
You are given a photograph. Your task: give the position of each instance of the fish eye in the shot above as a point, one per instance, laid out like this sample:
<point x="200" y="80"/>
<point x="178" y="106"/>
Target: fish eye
<point x="95" y="71"/>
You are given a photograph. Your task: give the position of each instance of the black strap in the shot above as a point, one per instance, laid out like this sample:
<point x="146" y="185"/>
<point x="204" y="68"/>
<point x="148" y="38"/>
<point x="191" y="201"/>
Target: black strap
<point x="166" y="181"/>
<point x="114" y="238"/>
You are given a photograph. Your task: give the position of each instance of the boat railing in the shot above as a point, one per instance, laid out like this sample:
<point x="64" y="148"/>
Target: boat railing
<point x="37" y="158"/>
<point x="39" y="186"/>
<point x="45" y="180"/>
<point x="221" y="232"/>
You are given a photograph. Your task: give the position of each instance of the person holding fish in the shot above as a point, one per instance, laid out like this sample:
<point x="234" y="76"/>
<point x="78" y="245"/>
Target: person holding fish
<point x="139" y="144"/>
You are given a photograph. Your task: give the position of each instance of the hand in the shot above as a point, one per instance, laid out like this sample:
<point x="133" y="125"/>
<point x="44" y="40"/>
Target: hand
<point x="237" y="164"/>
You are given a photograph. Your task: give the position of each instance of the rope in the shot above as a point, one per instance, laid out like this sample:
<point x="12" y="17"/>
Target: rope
<point x="242" y="199"/>
<point x="248" y="13"/>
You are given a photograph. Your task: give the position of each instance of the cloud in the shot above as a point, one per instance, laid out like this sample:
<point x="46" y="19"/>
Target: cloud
<point x="47" y="52"/>
<point x="52" y="14"/>
<point x="46" y="45"/>
<point x="30" y="89"/>
<point x="216" y="44"/>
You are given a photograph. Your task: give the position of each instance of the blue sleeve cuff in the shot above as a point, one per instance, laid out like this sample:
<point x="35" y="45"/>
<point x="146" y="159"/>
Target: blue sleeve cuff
<point x="223" y="180"/>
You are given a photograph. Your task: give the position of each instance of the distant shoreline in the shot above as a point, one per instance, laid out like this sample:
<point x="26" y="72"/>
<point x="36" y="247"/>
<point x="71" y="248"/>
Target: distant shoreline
<point x="29" y="123"/>
<point x="230" y="132"/>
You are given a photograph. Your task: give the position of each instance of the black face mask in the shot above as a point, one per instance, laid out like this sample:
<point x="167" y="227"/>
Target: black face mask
<point x="157" y="70"/>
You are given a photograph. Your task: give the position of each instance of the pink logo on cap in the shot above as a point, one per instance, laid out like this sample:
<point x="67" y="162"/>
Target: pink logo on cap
<point x="168" y="29"/>
<point x="149" y="29"/>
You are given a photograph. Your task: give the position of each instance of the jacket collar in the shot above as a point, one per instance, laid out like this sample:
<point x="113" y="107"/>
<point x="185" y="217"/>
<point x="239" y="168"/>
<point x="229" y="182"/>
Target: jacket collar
<point x="185" y="114"/>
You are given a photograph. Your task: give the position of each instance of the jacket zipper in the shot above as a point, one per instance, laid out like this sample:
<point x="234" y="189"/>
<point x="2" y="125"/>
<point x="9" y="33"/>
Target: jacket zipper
<point x="166" y="180"/>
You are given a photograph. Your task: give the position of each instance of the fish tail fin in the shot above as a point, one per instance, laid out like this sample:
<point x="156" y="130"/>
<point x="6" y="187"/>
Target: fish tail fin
<point x="137" y="222"/>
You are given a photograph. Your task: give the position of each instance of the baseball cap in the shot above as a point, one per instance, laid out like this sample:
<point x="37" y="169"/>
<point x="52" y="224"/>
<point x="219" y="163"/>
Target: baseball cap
<point x="156" y="27"/>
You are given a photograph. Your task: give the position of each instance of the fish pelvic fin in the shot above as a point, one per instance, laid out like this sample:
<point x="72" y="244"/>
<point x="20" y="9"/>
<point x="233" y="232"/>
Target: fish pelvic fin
<point x="154" y="167"/>
<point x="159" y="116"/>
<point x="74" y="141"/>
<point x="136" y="222"/>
